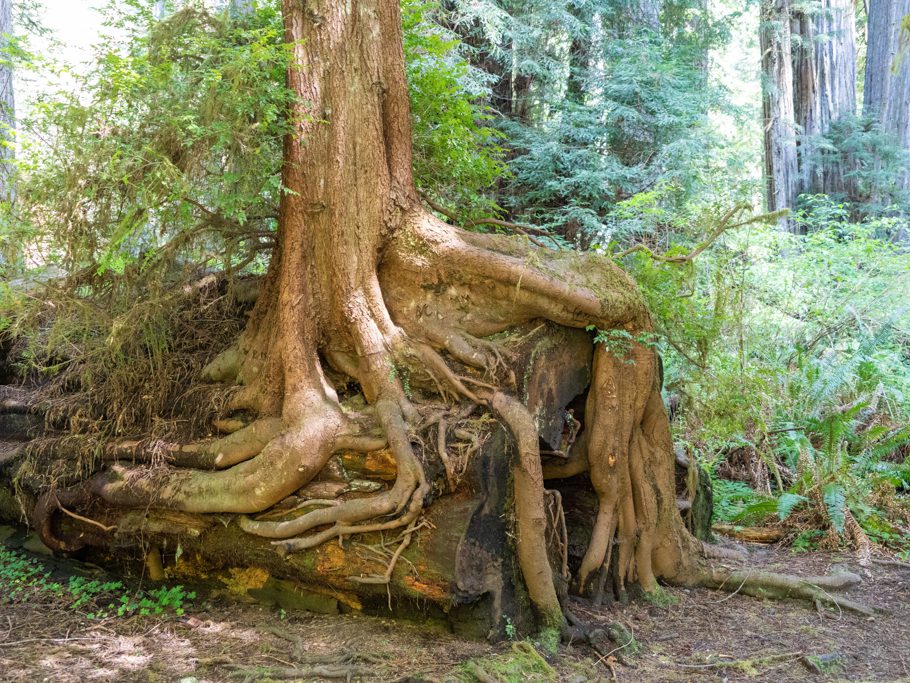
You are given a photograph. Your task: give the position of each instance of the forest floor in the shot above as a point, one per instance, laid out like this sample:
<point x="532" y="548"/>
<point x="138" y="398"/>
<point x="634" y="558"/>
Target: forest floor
<point x="697" y="635"/>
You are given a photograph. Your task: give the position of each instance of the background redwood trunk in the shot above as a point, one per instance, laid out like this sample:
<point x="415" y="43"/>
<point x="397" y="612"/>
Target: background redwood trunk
<point x="886" y="95"/>
<point x="7" y="106"/>
<point x="779" y="123"/>
<point x="824" y="88"/>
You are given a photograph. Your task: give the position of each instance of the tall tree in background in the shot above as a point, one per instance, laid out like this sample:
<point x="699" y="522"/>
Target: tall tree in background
<point x="886" y="95"/>
<point x="241" y="8"/>
<point x="824" y="87"/>
<point x="629" y="16"/>
<point x="618" y="103"/>
<point x="779" y="122"/>
<point x="7" y="103"/>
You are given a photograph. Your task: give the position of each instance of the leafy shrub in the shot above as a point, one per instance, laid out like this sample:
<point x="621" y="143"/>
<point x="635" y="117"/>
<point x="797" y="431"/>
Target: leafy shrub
<point x="794" y="348"/>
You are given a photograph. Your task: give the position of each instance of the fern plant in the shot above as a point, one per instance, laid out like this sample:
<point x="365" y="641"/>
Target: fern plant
<point x="844" y="468"/>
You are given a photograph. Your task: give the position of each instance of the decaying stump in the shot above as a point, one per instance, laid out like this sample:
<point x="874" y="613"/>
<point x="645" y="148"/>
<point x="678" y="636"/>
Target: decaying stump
<point x="456" y="563"/>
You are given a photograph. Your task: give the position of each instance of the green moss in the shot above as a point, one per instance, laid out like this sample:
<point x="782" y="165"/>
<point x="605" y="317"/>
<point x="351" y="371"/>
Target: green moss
<point x="548" y="640"/>
<point x="522" y="662"/>
<point x="660" y="596"/>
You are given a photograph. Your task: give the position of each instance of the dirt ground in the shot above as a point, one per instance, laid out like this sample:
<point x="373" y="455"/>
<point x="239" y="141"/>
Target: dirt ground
<point x="701" y="635"/>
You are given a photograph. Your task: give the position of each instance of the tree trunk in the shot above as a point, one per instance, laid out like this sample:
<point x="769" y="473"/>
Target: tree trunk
<point x="369" y="296"/>
<point x="630" y="16"/>
<point x="514" y="92"/>
<point x="241" y="8"/>
<point x="886" y="95"/>
<point x="7" y="107"/>
<point x="824" y="88"/>
<point x="781" y="168"/>
<point x="580" y="54"/>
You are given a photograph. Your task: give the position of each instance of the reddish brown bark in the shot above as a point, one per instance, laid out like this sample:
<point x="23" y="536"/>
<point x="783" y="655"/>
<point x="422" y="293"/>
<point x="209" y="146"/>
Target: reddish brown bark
<point x="886" y="95"/>
<point x="824" y="88"/>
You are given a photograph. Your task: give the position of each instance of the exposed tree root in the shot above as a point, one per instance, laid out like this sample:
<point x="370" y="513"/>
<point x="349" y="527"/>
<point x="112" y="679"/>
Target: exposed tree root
<point x="530" y="513"/>
<point x="315" y="671"/>
<point x="815" y="589"/>
<point x="87" y="520"/>
<point x="388" y="339"/>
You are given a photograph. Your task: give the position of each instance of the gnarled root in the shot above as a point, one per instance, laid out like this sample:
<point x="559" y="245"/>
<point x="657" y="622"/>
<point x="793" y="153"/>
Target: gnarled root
<point x="349" y="517"/>
<point x="439" y="291"/>
<point x="815" y="589"/>
<point x="287" y="462"/>
<point x="530" y="513"/>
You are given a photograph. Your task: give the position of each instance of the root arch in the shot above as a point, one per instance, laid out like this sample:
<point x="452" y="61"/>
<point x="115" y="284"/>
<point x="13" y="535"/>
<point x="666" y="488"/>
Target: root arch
<point x="430" y="275"/>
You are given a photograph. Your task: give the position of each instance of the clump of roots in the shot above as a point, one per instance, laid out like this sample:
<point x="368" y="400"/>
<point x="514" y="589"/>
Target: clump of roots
<point x="114" y="362"/>
<point x="426" y="359"/>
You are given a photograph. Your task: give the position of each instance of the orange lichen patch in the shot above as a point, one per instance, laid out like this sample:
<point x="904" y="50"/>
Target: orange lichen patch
<point x="187" y="566"/>
<point x="330" y="557"/>
<point x="373" y="465"/>
<point x="437" y="592"/>
<point x="240" y="580"/>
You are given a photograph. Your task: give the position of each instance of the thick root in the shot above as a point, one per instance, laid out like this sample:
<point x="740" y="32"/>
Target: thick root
<point x="815" y="589"/>
<point x="409" y="491"/>
<point x="404" y="501"/>
<point x="616" y="402"/>
<point x="530" y="512"/>
<point x="286" y="463"/>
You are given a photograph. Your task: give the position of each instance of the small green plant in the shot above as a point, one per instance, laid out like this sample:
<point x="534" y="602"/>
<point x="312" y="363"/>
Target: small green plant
<point x="25" y="579"/>
<point x="509" y="628"/>
<point x="619" y="342"/>
<point x="807" y="540"/>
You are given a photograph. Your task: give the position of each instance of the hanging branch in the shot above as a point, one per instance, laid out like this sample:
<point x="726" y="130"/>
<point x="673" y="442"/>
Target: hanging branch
<point x="722" y="226"/>
<point x="527" y="230"/>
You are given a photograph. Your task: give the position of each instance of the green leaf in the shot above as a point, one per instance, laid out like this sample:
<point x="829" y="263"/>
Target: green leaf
<point x="836" y="504"/>
<point x="758" y="509"/>
<point x="787" y="502"/>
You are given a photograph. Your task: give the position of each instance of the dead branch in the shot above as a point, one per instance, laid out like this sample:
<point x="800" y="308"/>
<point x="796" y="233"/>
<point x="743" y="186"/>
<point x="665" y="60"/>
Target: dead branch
<point x="751" y="534"/>
<point x="722" y="226"/>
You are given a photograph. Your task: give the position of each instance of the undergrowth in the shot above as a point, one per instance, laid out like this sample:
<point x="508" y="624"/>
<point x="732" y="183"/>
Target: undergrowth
<point x="787" y="367"/>
<point x="25" y="580"/>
